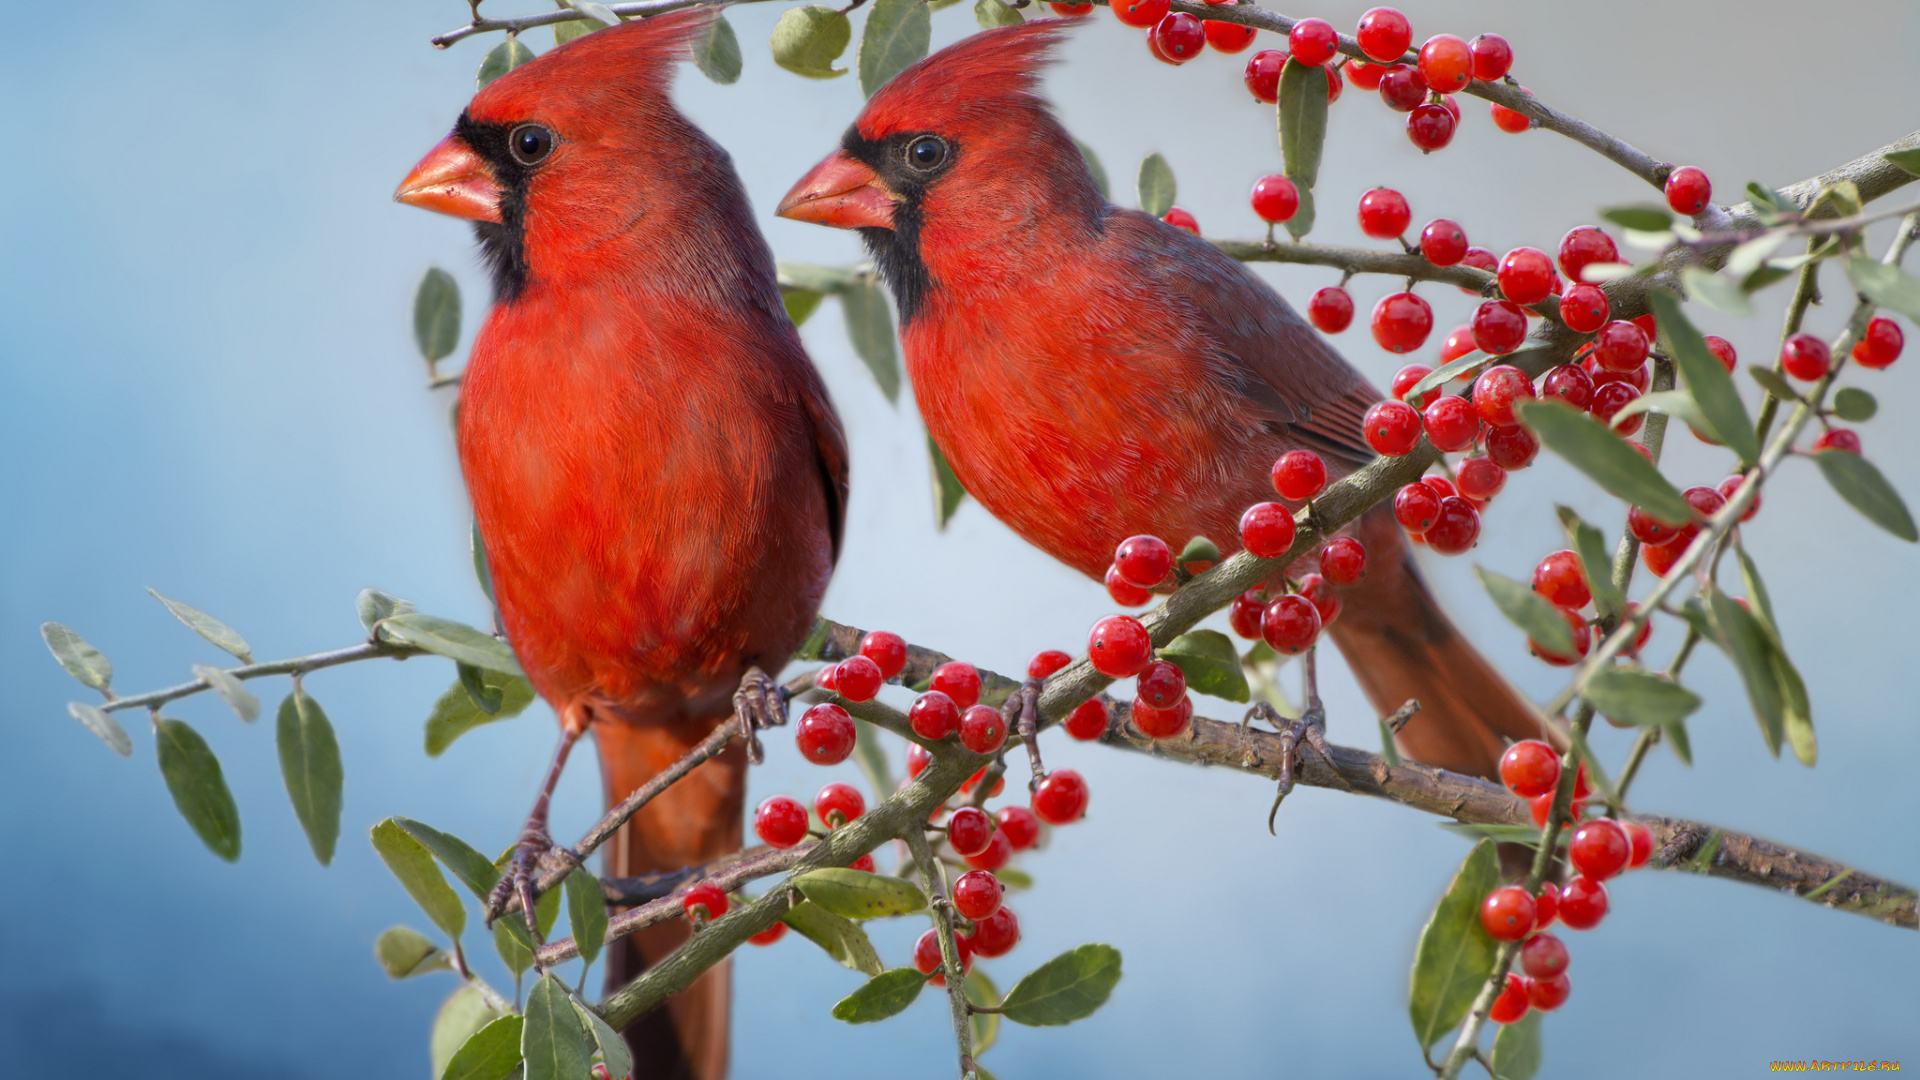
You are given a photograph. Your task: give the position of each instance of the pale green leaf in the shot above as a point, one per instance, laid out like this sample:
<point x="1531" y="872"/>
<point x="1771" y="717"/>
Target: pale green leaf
<point x="586" y="914"/>
<point x="1856" y="480"/>
<point x="1604" y="457"/>
<point x="374" y="605"/>
<point x="444" y="637"/>
<point x="716" y="52"/>
<point x="1636" y="697"/>
<point x="1303" y="121"/>
<point x="80" y="658"/>
<point x="807" y="40"/>
<point x="1516" y="1049"/>
<point x="947" y="492"/>
<point x="412" y="864"/>
<point x="503" y="58"/>
<point x="1710" y="384"/>
<point x="231" y="690"/>
<point x="208" y="627"/>
<point x="870" y="331"/>
<point x="456" y="713"/>
<point x="857" y="894"/>
<point x="992" y="14"/>
<point x="310" y="765"/>
<point x="1532" y="613"/>
<point x="986" y="1026"/>
<point x="1719" y="292"/>
<point x="463" y="1013"/>
<point x="1640" y="217"/>
<point x="1888" y="286"/>
<point x="1854" y="405"/>
<point x="896" y="35"/>
<point x="1590" y="545"/>
<point x="436" y="310"/>
<point x="842" y="939"/>
<point x="1155" y="185"/>
<point x="102" y="724"/>
<point x="493" y="1052"/>
<point x="404" y="952"/>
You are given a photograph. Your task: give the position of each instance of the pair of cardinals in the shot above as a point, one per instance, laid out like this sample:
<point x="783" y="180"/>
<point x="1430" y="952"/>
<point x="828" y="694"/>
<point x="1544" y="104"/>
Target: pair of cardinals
<point x="661" y="482"/>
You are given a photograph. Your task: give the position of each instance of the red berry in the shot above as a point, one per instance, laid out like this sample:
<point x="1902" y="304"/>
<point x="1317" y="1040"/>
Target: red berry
<point x="1481" y="478"/>
<point x="888" y="650"/>
<point x="1584" y="308"/>
<point x="1838" y="439"/>
<point x="1180" y="219"/>
<point x="704" y="902"/>
<point x="1511" y="1006"/>
<point x="1406" y="378"/>
<point x="1143" y="560"/>
<point x="1165" y="723"/>
<point x="1416" y="507"/>
<point x="1610" y="398"/>
<point x="1299" y="475"/>
<point x="1649" y="529"/>
<point x="1540" y="806"/>
<point x="1507" y="913"/>
<point x="977" y="894"/>
<point x="1582" y="640"/>
<point x="969" y="830"/>
<point x="1583" y="903"/>
<point x="1640" y="639"/>
<point x="1320" y="595"/>
<point x="824" y="678"/>
<point x="1530" y="769"/>
<point x="1526" y="275"/>
<point x="1600" y="849"/>
<point x="1430" y="127"/>
<point x="1640" y="840"/>
<point x="1088" y="721"/>
<point x="917" y="757"/>
<point x="1508" y="120"/>
<point x="780" y="821"/>
<point x="1244" y="614"/>
<point x="997" y="934"/>
<point x="1291" y="624"/>
<point x="1119" y="646"/>
<point x="1451" y="423"/>
<point x="1446" y="62"/>
<point x="1659" y="558"/>
<point x="1313" y="42"/>
<point x="1456" y="527"/>
<point x="1384" y="34"/>
<point x="1499" y="327"/>
<point x="1562" y="579"/>
<point x="1544" y="956"/>
<point x="1331" y="309"/>
<point x="1392" y="428"/>
<point x="1019" y="826"/>
<point x="768" y="936"/>
<point x="1366" y="76"/>
<point x="1688" y="190"/>
<point x="982" y="729"/>
<point x="1226" y="37"/>
<point x="1180" y="37"/>
<point x="1263" y="74"/>
<point x="1497" y="391"/>
<point x="1722" y="350"/>
<point x="1267" y="530"/>
<point x="1879" y="347"/>
<point x="1141" y="13"/>
<point x="1479" y="259"/>
<point x="1275" y="199"/>
<point x="825" y="734"/>
<point x="1620" y="346"/>
<point x="1046" y="662"/>
<point x="1546" y="903"/>
<point x="1458" y="344"/>
<point x="1162" y="684"/>
<point x="1335" y="84"/>
<point x="1512" y="448"/>
<point x="1061" y="798"/>
<point x="959" y="681"/>
<point x="838" y="804"/>
<point x="1440" y="485"/>
<point x="1583" y="247"/>
<point x="995" y="854"/>
<point x="934" y="715"/>
<point x="1570" y="383"/>
<point x="1549" y="994"/>
<point x="1384" y="213"/>
<point x="1401" y="322"/>
<point x="927" y="957"/>
<point x="1706" y="502"/>
<point x="1068" y="11"/>
<point x="1492" y="57"/>
<point x="1124" y="592"/>
<point x="1804" y="357"/>
<point x="857" y="679"/>
<point x="1343" y="560"/>
<point x="1443" y="242"/>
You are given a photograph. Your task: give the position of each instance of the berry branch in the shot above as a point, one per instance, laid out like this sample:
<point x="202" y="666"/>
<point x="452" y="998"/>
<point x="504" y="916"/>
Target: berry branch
<point x="951" y="961"/>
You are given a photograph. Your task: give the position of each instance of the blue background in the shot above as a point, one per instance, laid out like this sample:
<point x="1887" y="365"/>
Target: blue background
<point x="207" y="385"/>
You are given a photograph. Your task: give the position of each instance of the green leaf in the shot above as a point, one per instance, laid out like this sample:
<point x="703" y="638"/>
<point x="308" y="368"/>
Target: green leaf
<point x="1797" y="710"/>
<point x="503" y="58"/>
<point x="230" y="689"/>
<point x="1499" y="834"/>
<point x="1763" y="277"/>
<point x="485" y="697"/>
<point x="1676" y="735"/>
<point x="716" y="52"/>
<point x="807" y="40"/>
<point x="586" y="914"/>
<point x="857" y="894"/>
<point x="1843" y="196"/>
<point x="1752" y="255"/>
<point x="991" y="14"/>
<point x="1710" y="384"/>
<point x="1303" y="121"/>
<point x="456" y="713"/>
<point x="598" y="12"/>
<point x="1210" y="663"/>
<point x="552" y="1041"/>
<point x="199" y="790"/>
<point x="1455" y="955"/>
<point x="1532" y="613"/>
<point x="564" y="32"/>
<point x="493" y="1052"/>
<point x="436" y="308"/>
<point x="1641" y="217"/>
<point x="1747" y="645"/>
<point x="832" y="280"/>
<point x="468" y="866"/>
<point x="1854" y="405"/>
<point x="870" y="331"/>
<point x="800" y="303"/>
<point x="1907" y="159"/>
<point x="101" y="723"/>
<point x="1301" y="223"/>
<point x="1675" y="403"/>
<point x="444" y="637"/>
<point x="896" y="35"/>
<point x="888" y="993"/>
<point x="463" y="1013"/>
<point x="515" y="949"/>
<point x="871" y="756"/>
<point x="1155" y="185"/>
<point x="613" y="1048"/>
<point x="1861" y="485"/>
<point x="1389" y="753"/>
<point x="1098" y="170"/>
<point x="1772" y="383"/>
<point x="1635" y="697"/>
<point x="986" y="1026"/>
<point x="1888" y="286"/>
<point x="81" y="659"/>
<point x="1516" y="1049"/>
<point x="374" y="605"/>
<point x="947" y="492"/>
<point x="208" y="627"/>
<point x="310" y="764"/>
<point x="404" y="952"/>
<point x="1717" y="291"/>
<point x="481" y="573"/>
<point x="1596" y="772"/>
<point x="1590" y="544"/>
<point x="1447" y="372"/>
<point x="1014" y="878"/>
<point x="1604" y="457"/>
<point x="410" y="861"/>
<point x="843" y="939"/>
<point x="1066" y="988"/>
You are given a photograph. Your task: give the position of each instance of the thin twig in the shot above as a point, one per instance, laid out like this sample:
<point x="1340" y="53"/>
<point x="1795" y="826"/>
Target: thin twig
<point x="298" y="665"/>
<point x="940" y="908"/>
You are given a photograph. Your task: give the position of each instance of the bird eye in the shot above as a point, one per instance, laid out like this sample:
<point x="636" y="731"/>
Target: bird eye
<point x="927" y="152"/>
<point x="530" y="143"/>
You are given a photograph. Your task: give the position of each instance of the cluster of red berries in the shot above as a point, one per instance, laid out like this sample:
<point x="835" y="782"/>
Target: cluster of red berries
<point x="1599" y="849"/>
<point x="825" y="733"/>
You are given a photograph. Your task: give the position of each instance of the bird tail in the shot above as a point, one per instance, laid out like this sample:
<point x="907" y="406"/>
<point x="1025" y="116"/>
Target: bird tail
<point x="694" y="821"/>
<point x="1401" y="645"/>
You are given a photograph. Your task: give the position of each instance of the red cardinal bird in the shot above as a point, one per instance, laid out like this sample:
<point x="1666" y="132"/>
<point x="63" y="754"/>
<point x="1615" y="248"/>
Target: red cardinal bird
<point x="1093" y="373"/>
<point x="657" y="473"/>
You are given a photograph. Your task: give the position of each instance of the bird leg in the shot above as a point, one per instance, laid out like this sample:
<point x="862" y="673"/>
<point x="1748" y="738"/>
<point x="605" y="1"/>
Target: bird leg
<point x="1021" y="711"/>
<point x="535" y="845"/>
<point x="759" y="703"/>
<point x="1309" y="728"/>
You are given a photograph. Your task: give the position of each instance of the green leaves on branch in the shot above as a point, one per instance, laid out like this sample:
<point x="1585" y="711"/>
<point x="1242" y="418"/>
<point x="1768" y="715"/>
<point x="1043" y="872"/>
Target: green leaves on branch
<point x="410" y="862"/>
<point x="1640" y="217"/>
<point x="1906" y="159"/>
<point x="1605" y="457"/>
<point x="310" y="764"/>
<point x="716" y="52"/>
<point x="465" y="1013"/>
<point x="1210" y="662"/>
<point x="1303" y="134"/>
<point x="1635" y="697"/>
<point x="199" y="790"/>
<point x="870" y="331"/>
<point x="993" y="14"/>
<point x="1854" y="405"/>
<point x="1155" y="186"/>
<point x="1590" y="545"/>
<point x="886" y="994"/>
<point x="897" y="34"/>
<point x="1856" y="480"/>
<point x="372" y="605"/>
<point x="404" y="952"/>
<point x="208" y="627"/>
<point x="78" y="656"/>
<point x="493" y="1052"/>
<point x="1710" y="384"/>
<point x="1517" y="1052"/>
<point x="1068" y="987"/>
<point x="453" y="640"/>
<point x="857" y="894"/>
<point x="1534" y="614"/>
<point x="947" y="490"/>
<point x="1455" y="955"/>
<point x="436" y="308"/>
<point x="102" y="724"/>
<point x="552" y="1041"/>
<point x="807" y="40"/>
<point x="503" y="58"/>
<point x="458" y="711"/>
<point x="586" y="914"/>
<point x="231" y="690"/>
<point x="842" y="939"/>
<point x="1773" y="685"/>
<point x="1888" y="286"/>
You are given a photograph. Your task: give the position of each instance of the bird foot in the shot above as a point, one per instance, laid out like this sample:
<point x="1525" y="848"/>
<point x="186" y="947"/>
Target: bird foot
<point x="760" y="703"/>
<point x="1021" y="712"/>
<point x="1307" y="730"/>
<point x="535" y="854"/>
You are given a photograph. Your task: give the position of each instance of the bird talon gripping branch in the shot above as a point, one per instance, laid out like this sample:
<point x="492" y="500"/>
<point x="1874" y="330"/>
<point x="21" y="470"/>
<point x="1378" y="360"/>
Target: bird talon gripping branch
<point x="760" y="703"/>
<point x="1021" y="711"/>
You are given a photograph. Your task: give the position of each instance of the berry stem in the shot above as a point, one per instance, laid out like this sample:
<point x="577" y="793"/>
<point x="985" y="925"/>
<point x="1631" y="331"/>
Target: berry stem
<point x="1806" y="290"/>
<point x="940" y="909"/>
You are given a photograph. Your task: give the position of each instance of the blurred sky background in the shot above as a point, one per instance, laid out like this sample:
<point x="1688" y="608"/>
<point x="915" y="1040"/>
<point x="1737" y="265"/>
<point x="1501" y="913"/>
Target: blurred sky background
<point x="208" y="386"/>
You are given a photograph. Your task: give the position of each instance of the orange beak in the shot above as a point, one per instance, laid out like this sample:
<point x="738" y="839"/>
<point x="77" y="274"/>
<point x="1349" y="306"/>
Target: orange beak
<point x="452" y="180"/>
<point x="840" y="192"/>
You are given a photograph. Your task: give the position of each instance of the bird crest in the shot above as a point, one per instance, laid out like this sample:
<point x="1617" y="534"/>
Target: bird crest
<point x="973" y="80"/>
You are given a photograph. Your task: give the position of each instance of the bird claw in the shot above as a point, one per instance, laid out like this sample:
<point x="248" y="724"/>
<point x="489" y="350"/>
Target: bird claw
<point x="532" y="856"/>
<point x="760" y="703"/>
<point x="1021" y="713"/>
<point x="1309" y="729"/>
